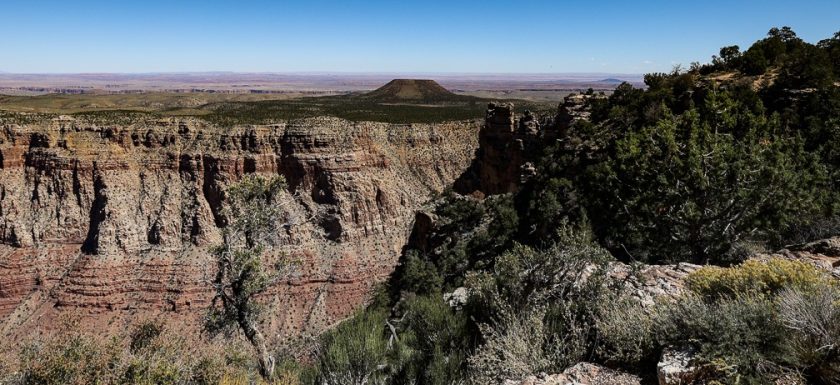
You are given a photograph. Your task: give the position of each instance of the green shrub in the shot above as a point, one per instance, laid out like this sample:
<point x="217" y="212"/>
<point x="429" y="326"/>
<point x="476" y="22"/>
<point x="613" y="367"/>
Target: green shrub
<point x="746" y="336"/>
<point x="537" y="307"/>
<point x="741" y="334"/>
<point x="734" y="339"/>
<point x="627" y="334"/>
<point x="144" y="334"/>
<point x="72" y="359"/>
<point x="163" y="358"/>
<point x="155" y="357"/>
<point x="515" y="346"/>
<point x="812" y="320"/>
<point x="518" y="343"/>
<point x="524" y="276"/>
<point x="688" y="187"/>
<point x="420" y="275"/>
<point x="209" y="370"/>
<point x="753" y="62"/>
<point x="360" y="351"/>
<point x="439" y="336"/>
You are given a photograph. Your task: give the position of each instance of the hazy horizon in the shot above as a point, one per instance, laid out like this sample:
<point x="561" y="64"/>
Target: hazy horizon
<point x="322" y="73"/>
<point x="227" y="81"/>
<point x="529" y="37"/>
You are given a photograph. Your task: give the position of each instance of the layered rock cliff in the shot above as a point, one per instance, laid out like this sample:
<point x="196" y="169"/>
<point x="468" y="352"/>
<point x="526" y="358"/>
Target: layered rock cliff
<point x="511" y="145"/>
<point x="112" y="222"/>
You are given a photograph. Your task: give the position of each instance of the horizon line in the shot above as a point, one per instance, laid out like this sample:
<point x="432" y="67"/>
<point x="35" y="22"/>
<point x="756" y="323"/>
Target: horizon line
<point x="444" y="73"/>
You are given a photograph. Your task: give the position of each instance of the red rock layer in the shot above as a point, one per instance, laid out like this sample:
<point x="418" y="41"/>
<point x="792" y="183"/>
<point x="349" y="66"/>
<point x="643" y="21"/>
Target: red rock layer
<point x="114" y="222"/>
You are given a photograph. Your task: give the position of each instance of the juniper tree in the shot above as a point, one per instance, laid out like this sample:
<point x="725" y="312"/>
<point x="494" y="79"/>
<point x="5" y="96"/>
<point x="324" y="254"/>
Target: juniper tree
<point x="252" y="214"/>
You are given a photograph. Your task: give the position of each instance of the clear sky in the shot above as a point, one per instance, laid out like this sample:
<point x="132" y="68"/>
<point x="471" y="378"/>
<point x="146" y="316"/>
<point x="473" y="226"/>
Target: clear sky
<point x="389" y="36"/>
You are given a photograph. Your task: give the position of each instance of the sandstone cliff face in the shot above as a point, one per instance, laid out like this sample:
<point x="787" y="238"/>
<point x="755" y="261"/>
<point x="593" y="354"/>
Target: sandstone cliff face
<point x="506" y="146"/>
<point x="511" y="145"/>
<point x="113" y="222"/>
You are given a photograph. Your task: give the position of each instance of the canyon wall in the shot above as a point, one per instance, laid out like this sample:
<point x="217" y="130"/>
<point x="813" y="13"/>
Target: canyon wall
<point x="111" y="223"/>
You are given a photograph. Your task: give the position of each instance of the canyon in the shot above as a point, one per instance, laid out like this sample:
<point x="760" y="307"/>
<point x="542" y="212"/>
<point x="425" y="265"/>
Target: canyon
<point x="111" y="223"/>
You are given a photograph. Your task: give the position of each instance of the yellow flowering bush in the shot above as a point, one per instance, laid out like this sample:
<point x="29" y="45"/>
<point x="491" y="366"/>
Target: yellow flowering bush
<point x="759" y="277"/>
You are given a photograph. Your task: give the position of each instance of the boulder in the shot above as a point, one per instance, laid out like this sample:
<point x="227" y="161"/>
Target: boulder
<point x="457" y="298"/>
<point x="676" y="368"/>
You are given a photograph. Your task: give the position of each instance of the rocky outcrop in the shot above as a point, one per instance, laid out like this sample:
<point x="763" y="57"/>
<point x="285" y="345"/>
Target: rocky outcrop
<point x="110" y="222"/>
<point x="824" y="253"/>
<point x="583" y="373"/>
<point x="575" y="107"/>
<point x="829" y="248"/>
<point x="646" y="283"/>
<point x="510" y="146"/>
<point x="506" y="144"/>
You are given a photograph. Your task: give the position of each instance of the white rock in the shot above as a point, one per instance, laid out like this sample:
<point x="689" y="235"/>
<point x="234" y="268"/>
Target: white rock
<point x="457" y="298"/>
<point x="675" y="368"/>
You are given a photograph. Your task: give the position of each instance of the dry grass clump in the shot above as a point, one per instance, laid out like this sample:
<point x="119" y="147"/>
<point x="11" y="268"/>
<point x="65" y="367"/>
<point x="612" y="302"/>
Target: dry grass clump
<point x="149" y="354"/>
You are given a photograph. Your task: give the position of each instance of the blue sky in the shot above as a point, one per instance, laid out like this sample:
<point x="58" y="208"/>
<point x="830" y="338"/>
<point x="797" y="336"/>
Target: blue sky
<point x="389" y="36"/>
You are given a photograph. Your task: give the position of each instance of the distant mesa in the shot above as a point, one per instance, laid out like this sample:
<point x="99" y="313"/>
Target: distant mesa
<point x="413" y="91"/>
<point x="611" y="81"/>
